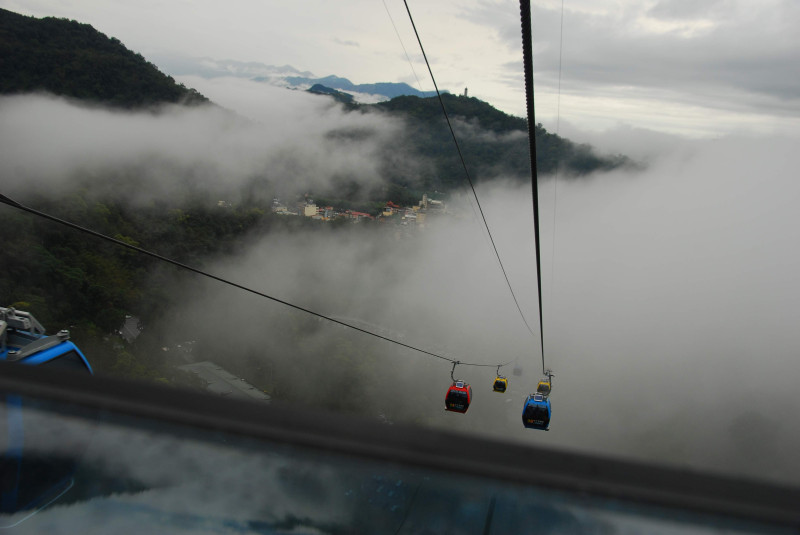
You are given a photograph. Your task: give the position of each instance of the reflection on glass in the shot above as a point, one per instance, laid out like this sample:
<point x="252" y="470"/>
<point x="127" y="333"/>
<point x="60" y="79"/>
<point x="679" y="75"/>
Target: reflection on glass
<point x="67" y="470"/>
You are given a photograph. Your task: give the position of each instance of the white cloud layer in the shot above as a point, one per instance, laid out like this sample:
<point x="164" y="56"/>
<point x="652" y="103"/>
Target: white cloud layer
<point x="669" y="309"/>
<point x="48" y="141"/>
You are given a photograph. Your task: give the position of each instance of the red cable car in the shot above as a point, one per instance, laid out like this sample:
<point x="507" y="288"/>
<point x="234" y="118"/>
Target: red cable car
<point x="458" y="397"/>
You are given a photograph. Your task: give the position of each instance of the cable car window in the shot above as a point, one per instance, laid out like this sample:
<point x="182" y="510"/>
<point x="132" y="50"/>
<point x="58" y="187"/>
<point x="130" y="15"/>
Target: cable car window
<point x="457" y="396"/>
<point x="535" y="412"/>
<point x="70" y="360"/>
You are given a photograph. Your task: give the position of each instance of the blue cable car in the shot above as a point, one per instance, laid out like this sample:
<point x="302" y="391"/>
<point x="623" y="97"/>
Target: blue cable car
<point x="31" y="483"/>
<point x="536" y="412"/>
<point x="22" y="340"/>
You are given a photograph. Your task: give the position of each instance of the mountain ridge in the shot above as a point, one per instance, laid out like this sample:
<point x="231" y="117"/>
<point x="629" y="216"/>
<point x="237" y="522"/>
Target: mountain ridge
<point x="72" y="59"/>
<point x="285" y="76"/>
<point x="387" y="89"/>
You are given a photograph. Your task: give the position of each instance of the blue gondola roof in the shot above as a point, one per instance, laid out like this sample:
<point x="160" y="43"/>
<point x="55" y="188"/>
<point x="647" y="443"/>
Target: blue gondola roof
<point x="22" y="339"/>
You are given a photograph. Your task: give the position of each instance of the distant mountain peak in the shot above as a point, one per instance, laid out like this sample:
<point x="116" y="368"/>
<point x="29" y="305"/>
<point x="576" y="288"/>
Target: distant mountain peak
<point x="388" y="90"/>
<point x="320" y="89"/>
<point x="284" y="76"/>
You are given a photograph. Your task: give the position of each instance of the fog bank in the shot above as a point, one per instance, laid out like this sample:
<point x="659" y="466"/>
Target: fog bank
<point x="669" y="310"/>
<point x="300" y="141"/>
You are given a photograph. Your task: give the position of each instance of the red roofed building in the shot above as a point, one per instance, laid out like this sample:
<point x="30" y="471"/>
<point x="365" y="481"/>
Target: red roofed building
<point x="390" y="209"/>
<point x="358" y="216"/>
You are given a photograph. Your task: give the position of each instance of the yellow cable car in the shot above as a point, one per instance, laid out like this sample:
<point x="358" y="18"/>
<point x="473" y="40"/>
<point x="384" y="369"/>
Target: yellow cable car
<point x="545" y="385"/>
<point x="500" y="384"/>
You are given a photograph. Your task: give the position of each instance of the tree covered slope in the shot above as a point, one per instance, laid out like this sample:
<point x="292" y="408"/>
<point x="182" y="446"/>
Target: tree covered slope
<point x="70" y="59"/>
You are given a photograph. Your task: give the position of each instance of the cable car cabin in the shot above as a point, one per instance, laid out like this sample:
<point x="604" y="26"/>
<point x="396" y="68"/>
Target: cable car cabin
<point x="544" y="387"/>
<point x="22" y="339"/>
<point x="458" y="397"/>
<point x="500" y="384"/>
<point x="31" y="482"/>
<point x="536" y="412"/>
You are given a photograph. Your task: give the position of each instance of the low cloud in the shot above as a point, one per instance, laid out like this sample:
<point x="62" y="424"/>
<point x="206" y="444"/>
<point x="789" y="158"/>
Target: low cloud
<point x="669" y="300"/>
<point x="292" y="140"/>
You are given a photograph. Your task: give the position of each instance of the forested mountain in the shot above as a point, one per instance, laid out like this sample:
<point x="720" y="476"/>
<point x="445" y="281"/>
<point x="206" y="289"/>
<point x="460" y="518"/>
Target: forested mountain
<point x="344" y="98"/>
<point x="70" y="59"/>
<point x="494" y="143"/>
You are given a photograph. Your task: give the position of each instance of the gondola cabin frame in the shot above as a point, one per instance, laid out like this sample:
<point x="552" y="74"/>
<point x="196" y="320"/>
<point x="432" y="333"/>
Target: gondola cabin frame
<point x="458" y="397"/>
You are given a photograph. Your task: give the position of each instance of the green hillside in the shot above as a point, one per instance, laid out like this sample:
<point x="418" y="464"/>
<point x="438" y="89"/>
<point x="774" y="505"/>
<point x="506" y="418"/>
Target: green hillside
<point x="493" y="143"/>
<point x="70" y="59"/>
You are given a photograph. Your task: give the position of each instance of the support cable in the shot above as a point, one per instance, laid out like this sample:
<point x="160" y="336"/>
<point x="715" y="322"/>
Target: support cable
<point x="558" y="167"/>
<point x="527" y="59"/>
<point x="410" y="63"/>
<point x="466" y="172"/>
<point x="10" y="202"/>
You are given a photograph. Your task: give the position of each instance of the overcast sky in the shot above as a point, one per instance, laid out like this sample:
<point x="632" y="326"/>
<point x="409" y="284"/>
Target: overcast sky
<point x="699" y="68"/>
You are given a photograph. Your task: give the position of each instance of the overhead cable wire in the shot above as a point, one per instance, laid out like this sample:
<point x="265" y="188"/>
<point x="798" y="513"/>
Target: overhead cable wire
<point x="397" y="33"/>
<point x="466" y="171"/>
<point x="527" y="60"/>
<point x="558" y="167"/>
<point x="419" y="85"/>
<point x="10" y="202"/>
